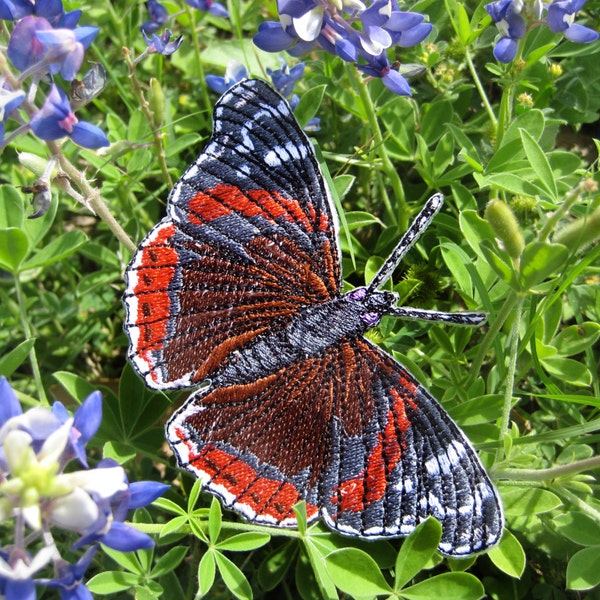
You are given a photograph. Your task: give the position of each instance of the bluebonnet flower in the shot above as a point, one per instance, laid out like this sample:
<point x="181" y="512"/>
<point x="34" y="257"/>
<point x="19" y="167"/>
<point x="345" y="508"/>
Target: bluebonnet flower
<point x="214" y="8"/>
<point x="158" y="17"/>
<point x="35" y="43"/>
<point x="506" y="14"/>
<point x="561" y="15"/>
<point x="56" y="120"/>
<point x="9" y="101"/>
<point x="234" y="73"/>
<point x="348" y="28"/>
<point x="380" y="67"/>
<point x="161" y="44"/>
<point x="13" y="10"/>
<point x="35" y="448"/>
<point x="513" y="17"/>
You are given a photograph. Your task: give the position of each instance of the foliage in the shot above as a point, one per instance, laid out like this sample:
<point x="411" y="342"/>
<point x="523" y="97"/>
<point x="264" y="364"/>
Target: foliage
<point x="525" y="387"/>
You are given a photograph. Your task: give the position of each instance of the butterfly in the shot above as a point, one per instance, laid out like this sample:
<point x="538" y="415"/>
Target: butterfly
<point x="238" y="290"/>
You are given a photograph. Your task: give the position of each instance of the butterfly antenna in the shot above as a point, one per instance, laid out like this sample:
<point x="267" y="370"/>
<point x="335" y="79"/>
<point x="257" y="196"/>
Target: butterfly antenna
<point x="413" y="233"/>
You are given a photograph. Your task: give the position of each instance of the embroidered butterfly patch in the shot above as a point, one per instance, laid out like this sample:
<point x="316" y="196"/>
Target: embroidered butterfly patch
<point x="239" y="288"/>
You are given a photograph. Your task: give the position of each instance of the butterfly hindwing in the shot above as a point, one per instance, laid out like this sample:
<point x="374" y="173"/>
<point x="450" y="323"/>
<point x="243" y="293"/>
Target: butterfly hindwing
<point x="351" y="432"/>
<point x="249" y="241"/>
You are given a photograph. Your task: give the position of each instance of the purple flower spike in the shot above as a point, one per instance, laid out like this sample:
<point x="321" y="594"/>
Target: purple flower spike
<point x="162" y="44"/>
<point x="380" y="67"/>
<point x="561" y="16"/>
<point x="70" y="578"/>
<point x="56" y="120"/>
<point x="507" y="16"/>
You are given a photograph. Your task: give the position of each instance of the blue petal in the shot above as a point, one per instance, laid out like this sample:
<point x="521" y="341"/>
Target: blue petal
<point x="9" y="404"/>
<point x="23" y="48"/>
<point x="580" y="34"/>
<point x="60" y="412"/>
<point x="271" y="37"/>
<point x="126" y="539"/>
<point x="396" y="83"/>
<point x="415" y="35"/>
<point x="88" y="417"/>
<point x="22" y="589"/>
<point x="218" y="10"/>
<point x="505" y="50"/>
<point x="89" y="136"/>
<point x="47" y="128"/>
<point x="143" y="493"/>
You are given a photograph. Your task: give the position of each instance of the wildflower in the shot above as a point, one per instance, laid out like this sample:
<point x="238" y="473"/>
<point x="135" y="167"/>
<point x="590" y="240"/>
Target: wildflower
<point x="13" y="10"/>
<point x="162" y="44"/>
<point x="511" y="25"/>
<point x="234" y="73"/>
<point x="69" y="578"/>
<point x="214" y="8"/>
<point x="65" y="48"/>
<point x="347" y="28"/>
<point x="158" y="17"/>
<point x="391" y="78"/>
<point x="9" y="101"/>
<point x="56" y="120"/>
<point x="24" y="47"/>
<point x="36" y="447"/>
<point x="561" y="16"/>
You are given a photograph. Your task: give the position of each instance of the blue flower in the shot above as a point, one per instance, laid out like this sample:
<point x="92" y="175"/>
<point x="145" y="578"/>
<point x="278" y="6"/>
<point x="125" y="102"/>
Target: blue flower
<point x="391" y="78"/>
<point x="65" y="48"/>
<point x="86" y="422"/>
<point x="9" y="404"/>
<point x="348" y="29"/>
<point x="158" y="17"/>
<point x="56" y="120"/>
<point x="13" y="10"/>
<point x="69" y="578"/>
<point x="214" y="8"/>
<point x="285" y="79"/>
<point x="234" y="73"/>
<point x="162" y="44"/>
<point x="561" y="16"/>
<point x="511" y="25"/>
<point x="24" y="48"/>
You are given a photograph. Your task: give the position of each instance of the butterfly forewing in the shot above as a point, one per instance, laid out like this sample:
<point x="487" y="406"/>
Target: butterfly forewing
<point x="250" y="240"/>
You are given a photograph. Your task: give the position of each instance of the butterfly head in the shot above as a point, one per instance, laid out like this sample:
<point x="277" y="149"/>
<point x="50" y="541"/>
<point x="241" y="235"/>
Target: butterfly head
<point x="373" y="304"/>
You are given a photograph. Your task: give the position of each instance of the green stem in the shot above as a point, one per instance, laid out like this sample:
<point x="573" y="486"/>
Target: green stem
<point x="203" y="88"/>
<point x="548" y="474"/>
<point x="491" y="336"/>
<point x="35" y="367"/>
<point x="386" y="164"/>
<point x="575" y="500"/>
<point x="480" y="90"/>
<point x="510" y="373"/>
<point x="571" y="197"/>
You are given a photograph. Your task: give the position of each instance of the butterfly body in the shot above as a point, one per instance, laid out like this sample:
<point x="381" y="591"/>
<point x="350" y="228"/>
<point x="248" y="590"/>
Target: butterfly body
<point x="239" y="289"/>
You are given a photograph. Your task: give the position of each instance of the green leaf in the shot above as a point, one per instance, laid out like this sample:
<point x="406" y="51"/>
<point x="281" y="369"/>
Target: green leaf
<point x="175" y="525"/>
<point x="11" y="207"/>
<point x="322" y="577"/>
<point x="509" y="555"/>
<point x="300" y="510"/>
<point x="576" y="338"/>
<point x="447" y="585"/>
<point x="357" y="219"/>
<point x="356" y="573"/>
<point x="500" y="261"/>
<point x="526" y="501"/>
<point x="309" y="105"/>
<point x="578" y="527"/>
<point x="343" y="184"/>
<point x="583" y="570"/>
<point x="169" y="561"/>
<point x="110" y="582"/>
<point x="12" y="360"/>
<point x="57" y="249"/>
<point x="532" y="121"/>
<point x="275" y="566"/>
<point x="568" y="370"/>
<point x="127" y="560"/>
<point x="215" y="516"/>
<point x="14" y="247"/>
<point x="539" y="260"/>
<point x="119" y="452"/>
<point x="206" y="572"/>
<point x="437" y="114"/>
<point x="194" y="494"/>
<point x="416" y="551"/>
<point x="233" y="578"/>
<point x="249" y="540"/>
<point x="539" y="162"/>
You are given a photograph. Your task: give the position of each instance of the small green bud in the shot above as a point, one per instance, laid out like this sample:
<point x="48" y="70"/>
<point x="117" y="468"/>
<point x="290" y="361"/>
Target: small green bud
<point x="156" y="101"/>
<point x="579" y="233"/>
<point x="505" y="226"/>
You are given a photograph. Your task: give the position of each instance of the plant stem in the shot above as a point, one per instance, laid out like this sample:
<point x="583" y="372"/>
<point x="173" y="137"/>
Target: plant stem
<point x="510" y="373"/>
<point x="35" y="367"/>
<point x="399" y="217"/>
<point x="586" y="464"/>
<point x="479" y="86"/>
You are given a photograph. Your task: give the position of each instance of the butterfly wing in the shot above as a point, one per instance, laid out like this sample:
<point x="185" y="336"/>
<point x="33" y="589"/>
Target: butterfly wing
<point x="351" y="432"/>
<point x="409" y="461"/>
<point x="249" y="240"/>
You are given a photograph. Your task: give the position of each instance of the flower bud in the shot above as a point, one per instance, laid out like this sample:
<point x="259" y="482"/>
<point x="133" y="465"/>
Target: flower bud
<point x="580" y="233"/>
<point x="157" y="101"/>
<point x="505" y="226"/>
